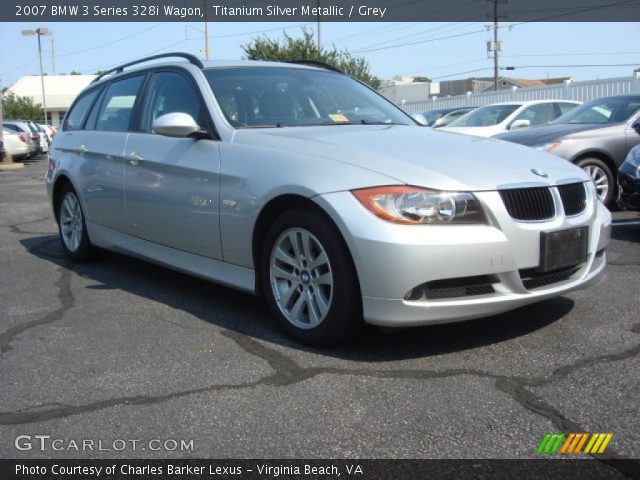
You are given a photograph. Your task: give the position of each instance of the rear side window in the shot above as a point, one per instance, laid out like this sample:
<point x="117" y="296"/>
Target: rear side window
<point x="117" y="106"/>
<point x="566" y="107"/>
<point x="538" y="114"/>
<point x="78" y="113"/>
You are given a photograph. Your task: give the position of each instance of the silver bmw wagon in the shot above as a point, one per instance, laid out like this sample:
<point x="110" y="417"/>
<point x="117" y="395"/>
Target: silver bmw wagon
<point x="299" y="183"/>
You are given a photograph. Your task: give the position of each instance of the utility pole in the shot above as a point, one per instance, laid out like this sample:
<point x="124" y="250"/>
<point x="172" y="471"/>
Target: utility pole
<point x="495" y="46"/>
<point x="53" y="57"/>
<point x="206" y="32"/>
<point x="318" y="27"/>
<point x="39" y="32"/>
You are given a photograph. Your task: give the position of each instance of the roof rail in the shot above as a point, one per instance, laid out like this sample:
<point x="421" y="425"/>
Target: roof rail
<point x="316" y="63"/>
<point x="192" y="59"/>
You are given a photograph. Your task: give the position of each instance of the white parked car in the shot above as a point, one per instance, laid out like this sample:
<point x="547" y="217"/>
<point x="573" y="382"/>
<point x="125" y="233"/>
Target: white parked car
<point x="503" y="117"/>
<point x="16" y="144"/>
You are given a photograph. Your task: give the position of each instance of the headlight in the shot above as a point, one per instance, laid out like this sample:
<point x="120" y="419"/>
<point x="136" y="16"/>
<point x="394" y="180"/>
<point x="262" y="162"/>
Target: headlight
<point x="546" y="147"/>
<point x="419" y="206"/>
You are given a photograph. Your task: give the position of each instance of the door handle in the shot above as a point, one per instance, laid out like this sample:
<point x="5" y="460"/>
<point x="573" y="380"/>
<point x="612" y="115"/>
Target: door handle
<point x="133" y="157"/>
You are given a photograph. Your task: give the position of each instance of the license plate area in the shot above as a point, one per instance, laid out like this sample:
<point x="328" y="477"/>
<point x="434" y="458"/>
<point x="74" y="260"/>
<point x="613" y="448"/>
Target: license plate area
<point x="564" y="248"/>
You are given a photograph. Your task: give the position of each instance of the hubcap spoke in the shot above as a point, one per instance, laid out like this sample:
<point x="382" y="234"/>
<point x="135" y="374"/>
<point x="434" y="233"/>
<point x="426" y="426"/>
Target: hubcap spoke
<point x="284" y="257"/>
<point x="298" y="309"/>
<point x="600" y="180"/>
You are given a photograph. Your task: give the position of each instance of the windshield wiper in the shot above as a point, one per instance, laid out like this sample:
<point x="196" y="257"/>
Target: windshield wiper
<point x="359" y="122"/>
<point x="275" y="125"/>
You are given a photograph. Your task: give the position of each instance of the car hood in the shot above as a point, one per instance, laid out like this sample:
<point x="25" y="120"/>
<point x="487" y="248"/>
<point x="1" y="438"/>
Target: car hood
<point x="417" y="155"/>
<point x="548" y="133"/>
<point x="487" y="131"/>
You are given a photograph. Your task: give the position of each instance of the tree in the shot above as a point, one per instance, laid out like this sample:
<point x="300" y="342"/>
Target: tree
<point x="421" y="79"/>
<point x="305" y="48"/>
<point x="74" y="72"/>
<point x="23" y="108"/>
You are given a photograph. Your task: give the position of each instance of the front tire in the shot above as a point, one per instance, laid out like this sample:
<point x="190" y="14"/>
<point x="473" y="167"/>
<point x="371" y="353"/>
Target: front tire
<point x="309" y="280"/>
<point x="602" y="176"/>
<point x="72" y="227"/>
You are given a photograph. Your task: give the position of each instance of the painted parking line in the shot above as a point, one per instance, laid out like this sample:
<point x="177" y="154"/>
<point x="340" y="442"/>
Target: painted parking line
<point x="626" y="223"/>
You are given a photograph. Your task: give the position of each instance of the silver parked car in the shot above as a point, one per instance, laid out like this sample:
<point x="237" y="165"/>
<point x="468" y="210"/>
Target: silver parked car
<point x="596" y="136"/>
<point x="302" y="184"/>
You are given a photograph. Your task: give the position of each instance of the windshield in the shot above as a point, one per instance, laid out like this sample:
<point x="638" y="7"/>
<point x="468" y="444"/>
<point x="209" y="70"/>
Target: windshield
<point x="602" y="111"/>
<point x="295" y="97"/>
<point x="485" y="116"/>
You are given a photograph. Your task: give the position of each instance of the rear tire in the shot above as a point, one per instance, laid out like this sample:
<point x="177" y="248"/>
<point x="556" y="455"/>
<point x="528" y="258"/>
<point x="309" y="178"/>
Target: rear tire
<point x="72" y="228"/>
<point x="309" y="279"/>
<point x="603" y="177"/>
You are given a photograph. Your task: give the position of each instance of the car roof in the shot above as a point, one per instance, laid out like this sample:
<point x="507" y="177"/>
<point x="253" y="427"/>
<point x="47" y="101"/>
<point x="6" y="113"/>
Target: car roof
<point x="533" y="102"/>
<point x="207" y="64"/>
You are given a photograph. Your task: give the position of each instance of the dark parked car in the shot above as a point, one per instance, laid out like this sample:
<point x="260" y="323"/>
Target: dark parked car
<point x="3" y="152"/>
<point x="596" y="136"/>
<point x="629" y="181"/>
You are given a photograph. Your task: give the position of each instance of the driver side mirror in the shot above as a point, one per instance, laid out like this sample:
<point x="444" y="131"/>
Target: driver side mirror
<point x="175" y="124"/>
<point x="636" y="126"/>
<point x="522" y="123"/>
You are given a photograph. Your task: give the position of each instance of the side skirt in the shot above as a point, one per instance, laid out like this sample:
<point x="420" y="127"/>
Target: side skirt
<point x="217" y="271"/>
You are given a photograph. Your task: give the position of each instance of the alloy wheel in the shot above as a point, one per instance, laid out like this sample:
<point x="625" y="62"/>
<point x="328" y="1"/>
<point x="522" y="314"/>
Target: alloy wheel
<point x="71" y="221"/>
<point x="301" y="278"/>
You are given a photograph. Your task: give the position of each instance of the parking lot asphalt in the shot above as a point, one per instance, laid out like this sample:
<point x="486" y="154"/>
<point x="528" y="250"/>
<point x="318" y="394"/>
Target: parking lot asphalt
<point x="123" y="349"/>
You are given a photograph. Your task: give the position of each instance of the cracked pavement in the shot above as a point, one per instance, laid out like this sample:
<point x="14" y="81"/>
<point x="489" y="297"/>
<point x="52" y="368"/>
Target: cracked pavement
<point x="125" y="349"/>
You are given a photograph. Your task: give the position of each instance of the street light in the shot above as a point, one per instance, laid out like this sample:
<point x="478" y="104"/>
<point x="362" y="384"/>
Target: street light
<point x="39" y="32"/>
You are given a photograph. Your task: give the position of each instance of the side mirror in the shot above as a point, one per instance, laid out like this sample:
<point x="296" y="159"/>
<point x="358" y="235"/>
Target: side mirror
<point x="418" y="117"/>
<point x="175" y="124"/>
<point x="636" y="126"/>
<point x="522" y="123"/>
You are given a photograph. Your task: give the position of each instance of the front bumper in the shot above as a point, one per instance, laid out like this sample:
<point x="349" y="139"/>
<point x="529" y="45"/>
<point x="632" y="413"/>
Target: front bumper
<point x="628" y="188"/>
<point x="392" y="260"/>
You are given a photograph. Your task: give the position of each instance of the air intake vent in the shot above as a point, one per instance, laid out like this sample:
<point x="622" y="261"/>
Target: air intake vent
<point x="532" y="279"/>
<point x="529" y="204"/>
<point x="453" y="287"/>
<point x="574" y="198"/>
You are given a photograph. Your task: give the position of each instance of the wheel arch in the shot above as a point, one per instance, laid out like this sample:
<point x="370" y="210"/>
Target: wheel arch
<point x="600" y="155"/>
<point x="272" y="209"/>
<point x="59" y="184"/>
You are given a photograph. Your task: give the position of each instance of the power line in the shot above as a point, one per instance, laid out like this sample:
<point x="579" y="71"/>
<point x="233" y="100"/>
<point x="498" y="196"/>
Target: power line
<point x="577" y="65"/>
<point x="419" y="36"/>
<point x="462" y="73"/>
<point x="571" y="54"/>
<point x="96" y="47"/>
<point x="20" y="66"/>
<point x="105" y="67"/>
<point x="420" y="42"/>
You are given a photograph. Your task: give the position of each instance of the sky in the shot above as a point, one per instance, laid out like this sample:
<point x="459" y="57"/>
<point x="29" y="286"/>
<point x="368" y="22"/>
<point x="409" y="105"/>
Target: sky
<point x="441" y="51"/>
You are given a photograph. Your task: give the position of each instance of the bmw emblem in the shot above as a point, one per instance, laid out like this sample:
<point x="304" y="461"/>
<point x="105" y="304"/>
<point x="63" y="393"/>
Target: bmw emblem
<point x="540" y="173"/>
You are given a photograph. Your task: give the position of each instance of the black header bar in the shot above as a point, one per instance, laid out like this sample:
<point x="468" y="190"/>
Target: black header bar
<point x="312" y="10"/>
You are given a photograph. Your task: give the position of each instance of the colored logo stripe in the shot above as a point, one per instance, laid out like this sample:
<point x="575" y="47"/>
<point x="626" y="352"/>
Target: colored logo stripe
<point x="598" y="443"/>
<point x="550" y="443"/>
<point x="573" y="443"/>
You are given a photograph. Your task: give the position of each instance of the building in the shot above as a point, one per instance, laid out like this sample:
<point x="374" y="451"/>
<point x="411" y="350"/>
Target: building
<point x="402" y="90"/>
<point x="60" y="91"/>
<point x="450" y="88"/>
